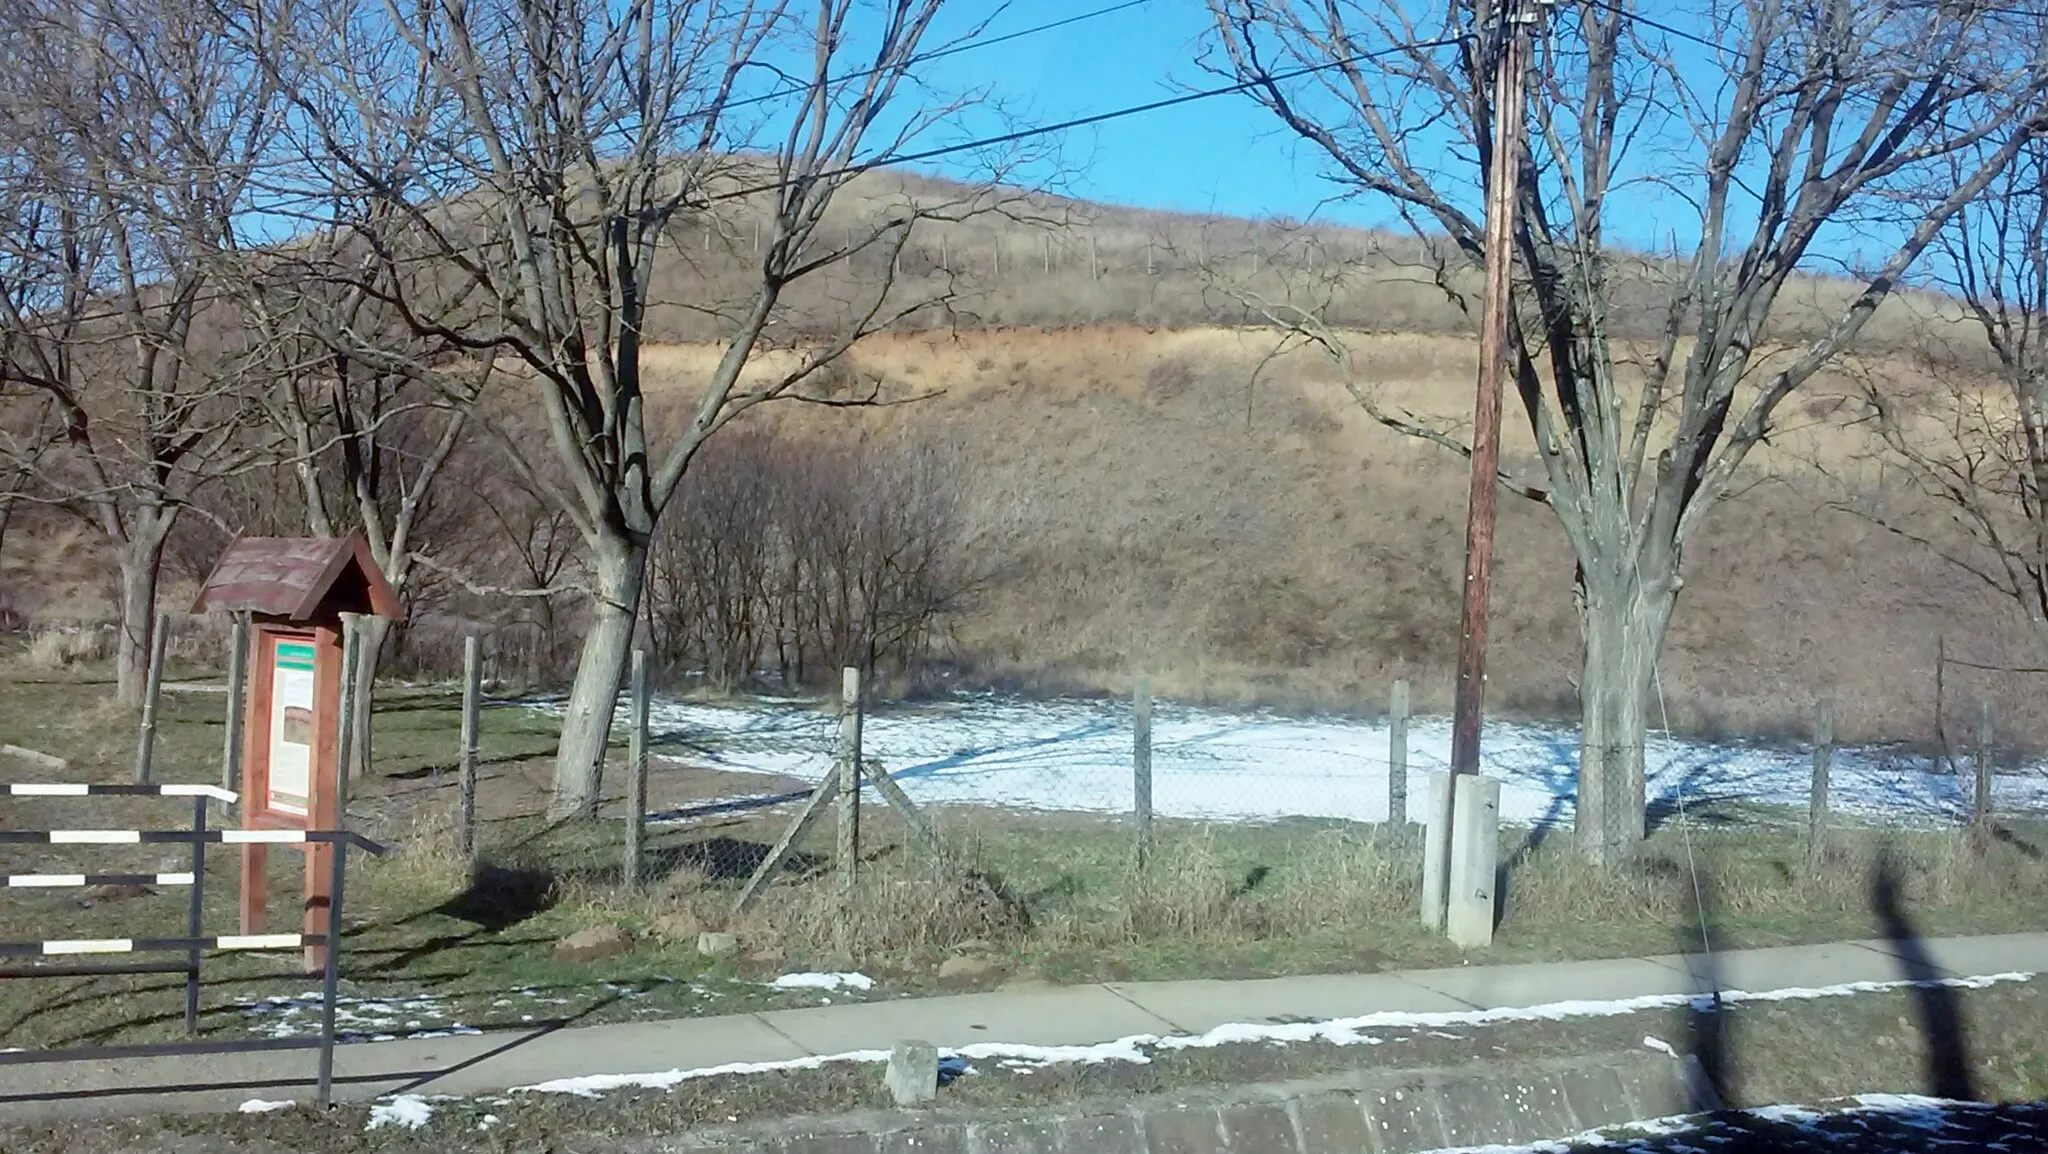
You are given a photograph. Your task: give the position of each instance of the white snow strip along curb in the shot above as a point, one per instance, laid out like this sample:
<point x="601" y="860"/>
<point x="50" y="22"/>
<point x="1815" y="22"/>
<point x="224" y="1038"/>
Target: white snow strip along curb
<point x="1336" y="1032"/>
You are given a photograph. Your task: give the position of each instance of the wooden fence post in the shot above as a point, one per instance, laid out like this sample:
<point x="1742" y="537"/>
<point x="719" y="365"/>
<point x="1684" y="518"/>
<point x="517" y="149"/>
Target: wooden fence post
<point x="1141" y="766"/>
<point x="1397" y="759"/>
<point x="636" y="773"/>
<point x="1817" y="801"/>
<point x="238" y="678"/>
<point x="1980" y="811"/>
<point x="465" y="814"/>
<point x="145" y="742"/>
<point x="849" y="802"/>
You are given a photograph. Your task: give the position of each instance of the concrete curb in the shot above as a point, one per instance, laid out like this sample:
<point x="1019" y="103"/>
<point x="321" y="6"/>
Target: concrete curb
<point x="1380" y="1112"/>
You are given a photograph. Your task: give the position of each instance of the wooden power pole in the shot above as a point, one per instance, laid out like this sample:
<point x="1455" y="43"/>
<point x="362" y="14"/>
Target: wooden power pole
<point x="1506" y="46"/>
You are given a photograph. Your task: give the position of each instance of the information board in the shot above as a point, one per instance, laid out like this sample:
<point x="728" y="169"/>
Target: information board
<point x="291" y="726"/>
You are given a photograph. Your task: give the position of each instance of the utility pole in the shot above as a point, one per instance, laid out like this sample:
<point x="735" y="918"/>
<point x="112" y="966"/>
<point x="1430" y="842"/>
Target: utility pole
<point x="1505" y="45"/>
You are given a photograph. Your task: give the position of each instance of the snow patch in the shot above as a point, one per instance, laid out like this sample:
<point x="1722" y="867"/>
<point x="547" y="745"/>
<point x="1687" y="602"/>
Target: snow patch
<point x="408" y="1110"/>
<point x="1659" y="1045"/>
<point x="1068" y="754"/>
<point x="823" y="982"/>
<point x="259" y="1106"/>
<point x="1137" y="1048"/>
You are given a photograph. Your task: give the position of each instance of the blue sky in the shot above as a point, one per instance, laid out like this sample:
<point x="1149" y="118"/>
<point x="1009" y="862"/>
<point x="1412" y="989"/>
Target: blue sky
<point x="1224" y="155"/>
<point x="1227" y="155"/>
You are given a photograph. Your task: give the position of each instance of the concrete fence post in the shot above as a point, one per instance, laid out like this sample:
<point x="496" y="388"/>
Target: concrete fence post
<point x="1475" y="853"/>
<point x="1436" y="849"/>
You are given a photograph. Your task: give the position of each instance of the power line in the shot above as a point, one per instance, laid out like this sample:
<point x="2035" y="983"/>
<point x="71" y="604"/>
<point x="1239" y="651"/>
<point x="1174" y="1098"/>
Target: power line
<point x="1115" y="114"/>
<point x="950" y="50"/>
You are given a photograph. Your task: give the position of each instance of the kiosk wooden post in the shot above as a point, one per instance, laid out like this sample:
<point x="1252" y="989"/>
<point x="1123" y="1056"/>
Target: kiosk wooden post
<point x="295" y="590"/>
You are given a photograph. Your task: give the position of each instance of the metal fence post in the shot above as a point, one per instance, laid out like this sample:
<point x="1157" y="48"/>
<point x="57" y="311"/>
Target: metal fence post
<point x="1817" y="803"/>
<point x="195" y="913"/>
<point x="849" y="802"/>
<point x="1397" y="759"/>
<point x="1980" y="810"/>
<point x="636" y="787"/>
<point x="330" y="977"/>
<point x="465" y="814"/>
<point x="1141" y="766"/>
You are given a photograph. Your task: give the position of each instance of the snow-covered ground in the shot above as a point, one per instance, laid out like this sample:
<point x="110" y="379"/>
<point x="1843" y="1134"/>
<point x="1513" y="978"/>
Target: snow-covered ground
<point x="1075" y="754"/>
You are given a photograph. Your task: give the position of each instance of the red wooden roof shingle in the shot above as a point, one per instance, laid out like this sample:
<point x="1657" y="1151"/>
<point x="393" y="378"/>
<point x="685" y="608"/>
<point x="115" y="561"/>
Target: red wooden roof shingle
<point x="296" y="577"/>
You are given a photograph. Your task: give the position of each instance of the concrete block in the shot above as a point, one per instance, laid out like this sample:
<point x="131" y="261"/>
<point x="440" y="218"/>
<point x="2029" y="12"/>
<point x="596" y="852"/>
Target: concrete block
<point x="1403" y="1119"/>
<point x="1183" y="1130"/>
<point x="912" y="1076"/>
<point x="924" y="1140"/>
<point x="1538" y="1110"/>
<point x="1475" y="854"/>
<point x="1436" y="848"/>
<point x="1102" y="1134"/>
<point x="829" y="1144"/>
<point x="1656" y="1088"/>
<point x="1476" y="1111"/>
<point x="1258" y="1128"/>
<point x="1333" y="1123"/>
<point x="1596" y="1097"/>
<point x="1016" y="1138"/>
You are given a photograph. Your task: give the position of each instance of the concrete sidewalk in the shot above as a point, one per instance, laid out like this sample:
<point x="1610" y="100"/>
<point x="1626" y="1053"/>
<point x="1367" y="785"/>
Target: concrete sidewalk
<point x="1053" y="1016"/>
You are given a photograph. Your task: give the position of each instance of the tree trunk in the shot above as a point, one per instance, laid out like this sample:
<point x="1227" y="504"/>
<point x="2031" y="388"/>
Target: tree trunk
<point x="141" y="561"/>
<point x="370" y="642"/>
<point x="600" y="670"/>
<point x="1624" y="632"/>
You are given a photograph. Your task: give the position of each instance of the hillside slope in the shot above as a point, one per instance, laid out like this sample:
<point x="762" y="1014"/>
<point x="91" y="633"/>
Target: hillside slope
<point x="1143" y="501"/>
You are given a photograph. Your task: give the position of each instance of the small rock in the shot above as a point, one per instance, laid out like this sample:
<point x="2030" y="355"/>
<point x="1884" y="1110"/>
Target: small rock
<point x="118" y="893"/>
<point x="772" y="956"/>
<point x="965" y="970"/>
<point x="717" y="945"/>
<point x="913" y="1074"/>
<point x="677" y="927"/>
<point x="594" y="943"/>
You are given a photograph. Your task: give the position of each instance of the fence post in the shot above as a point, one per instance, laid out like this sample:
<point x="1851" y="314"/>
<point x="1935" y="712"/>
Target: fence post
<point x="1141" y="766"/>
<point x="195" y="913"/>
<point x="1397" y="759"/>
<point x="465" y="815"/>
<point x="145" y="743"/>
<point x="636" y="773"/>
<point x="238" y="677"/>
<point x="1980" y="812"/>
<point x="1823" y="760"/>
<point x="849" y="802"/>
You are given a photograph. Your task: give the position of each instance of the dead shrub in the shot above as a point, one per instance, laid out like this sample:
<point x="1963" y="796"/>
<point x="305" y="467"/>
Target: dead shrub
<point x="61" y="647"/>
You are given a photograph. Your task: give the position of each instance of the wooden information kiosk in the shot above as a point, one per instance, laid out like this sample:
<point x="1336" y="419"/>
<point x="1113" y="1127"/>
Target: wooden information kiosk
<point x="295" y="590"/>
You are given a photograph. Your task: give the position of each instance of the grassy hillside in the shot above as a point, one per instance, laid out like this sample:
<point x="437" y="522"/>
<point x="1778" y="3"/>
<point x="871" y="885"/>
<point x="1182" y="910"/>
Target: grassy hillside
<point x="1143" y="500"/>
<point x="1136" y="498"/>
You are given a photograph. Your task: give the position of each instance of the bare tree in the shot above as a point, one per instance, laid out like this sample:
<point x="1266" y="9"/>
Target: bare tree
<point x="1975" y="443"/>
<point x="133" y="132"/>
<point x="1779" y="122"/>
<point x="566" y="150"/>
